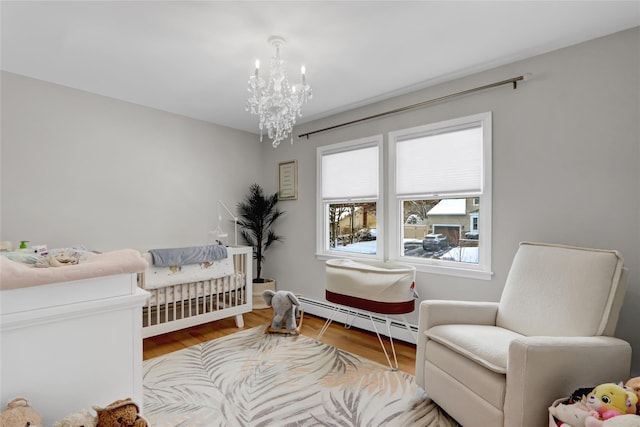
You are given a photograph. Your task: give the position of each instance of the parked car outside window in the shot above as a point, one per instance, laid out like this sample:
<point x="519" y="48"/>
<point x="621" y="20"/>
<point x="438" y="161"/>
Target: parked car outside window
<point x="435" y="242"/>
<point x="472" y="235"/>
<point x="367" y="234"/>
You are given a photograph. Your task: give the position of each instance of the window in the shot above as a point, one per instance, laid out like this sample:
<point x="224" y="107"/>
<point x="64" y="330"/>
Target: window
<point x="349" y="205"/>
<point x="440" y="174"/>
<point x="438" y="198"/>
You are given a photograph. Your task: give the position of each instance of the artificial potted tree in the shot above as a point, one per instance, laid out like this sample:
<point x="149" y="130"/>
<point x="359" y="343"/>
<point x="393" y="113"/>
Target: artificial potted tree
<point x="256" y="215"/>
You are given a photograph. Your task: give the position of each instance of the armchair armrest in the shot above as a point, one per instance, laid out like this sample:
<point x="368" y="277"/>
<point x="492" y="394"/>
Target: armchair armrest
<point x="543" y="369"/>
<point x="441" y="312"/>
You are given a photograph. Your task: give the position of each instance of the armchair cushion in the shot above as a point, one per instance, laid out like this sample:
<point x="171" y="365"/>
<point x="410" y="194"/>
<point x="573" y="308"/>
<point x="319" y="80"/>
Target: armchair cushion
<point x="486" y="345"/>
<point x="558" y="290"/>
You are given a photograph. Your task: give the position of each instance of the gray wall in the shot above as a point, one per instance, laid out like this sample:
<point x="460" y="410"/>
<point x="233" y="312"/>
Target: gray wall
<point x="82" y="168"/>
<point x="566" y="149"/>
<point x="79" y="168"/>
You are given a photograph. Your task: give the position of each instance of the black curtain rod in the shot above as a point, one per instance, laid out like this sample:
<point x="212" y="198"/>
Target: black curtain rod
<point x="513" y="81"/>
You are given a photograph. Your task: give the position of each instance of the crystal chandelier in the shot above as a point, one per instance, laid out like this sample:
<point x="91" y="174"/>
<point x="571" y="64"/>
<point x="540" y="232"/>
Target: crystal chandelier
<point x="276" y="102"/>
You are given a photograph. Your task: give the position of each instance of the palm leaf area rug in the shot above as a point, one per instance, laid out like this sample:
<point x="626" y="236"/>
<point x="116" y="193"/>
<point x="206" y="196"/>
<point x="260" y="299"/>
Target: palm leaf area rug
<point x="254" y="379"/>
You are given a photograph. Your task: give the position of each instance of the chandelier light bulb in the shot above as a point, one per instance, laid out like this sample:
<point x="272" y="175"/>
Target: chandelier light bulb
<point x="275" y="101"/>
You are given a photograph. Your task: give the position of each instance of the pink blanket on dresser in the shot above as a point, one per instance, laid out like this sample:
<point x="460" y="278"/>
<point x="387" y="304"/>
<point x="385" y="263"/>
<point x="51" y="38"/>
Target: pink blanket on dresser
<point x="15" y="275"/>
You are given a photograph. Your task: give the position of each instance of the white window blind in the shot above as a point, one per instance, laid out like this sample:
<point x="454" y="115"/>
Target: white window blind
<point x="350" y="174"/>
<point x="443" y="163"/>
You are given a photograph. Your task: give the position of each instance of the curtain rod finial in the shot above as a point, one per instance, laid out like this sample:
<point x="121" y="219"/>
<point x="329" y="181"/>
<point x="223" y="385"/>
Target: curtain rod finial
<point x="522" y="78"/>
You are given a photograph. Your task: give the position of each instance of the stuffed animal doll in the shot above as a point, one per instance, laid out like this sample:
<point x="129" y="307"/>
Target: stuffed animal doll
<point x="82" y="418"/>
<point x="283" y="303"/>
<point x="121" y="413"/>
<point x="634" y="385"/>
<point x="611" y="400"/>
<point x="20" y="414"/>
<point x="572" y="415"/>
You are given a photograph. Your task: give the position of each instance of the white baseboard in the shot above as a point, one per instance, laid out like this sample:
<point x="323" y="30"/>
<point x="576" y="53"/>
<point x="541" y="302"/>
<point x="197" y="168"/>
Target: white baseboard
<point x="360" y="319"/>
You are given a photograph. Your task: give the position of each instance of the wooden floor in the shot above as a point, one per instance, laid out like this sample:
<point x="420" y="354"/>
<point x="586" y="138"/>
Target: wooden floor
<point x="356" y="341"/>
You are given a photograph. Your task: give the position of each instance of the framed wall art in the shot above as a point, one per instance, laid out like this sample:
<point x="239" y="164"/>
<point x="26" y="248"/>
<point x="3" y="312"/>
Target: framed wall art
<point x="288" y="180"/>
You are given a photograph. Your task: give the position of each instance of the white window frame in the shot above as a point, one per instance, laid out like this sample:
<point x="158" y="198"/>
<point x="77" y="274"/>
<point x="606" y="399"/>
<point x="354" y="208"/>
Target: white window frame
<point x="482" y="270"/>
<point x="323" y="251"/>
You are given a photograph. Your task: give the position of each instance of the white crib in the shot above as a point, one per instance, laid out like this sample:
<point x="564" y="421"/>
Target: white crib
<point x="185" y="296"/>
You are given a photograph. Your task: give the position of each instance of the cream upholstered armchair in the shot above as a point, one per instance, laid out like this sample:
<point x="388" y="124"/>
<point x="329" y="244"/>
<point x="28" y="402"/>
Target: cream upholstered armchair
<point x="492" y="364"/>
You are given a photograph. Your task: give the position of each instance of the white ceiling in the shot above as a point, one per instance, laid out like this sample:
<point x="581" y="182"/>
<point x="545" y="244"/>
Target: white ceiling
<point x="194" y="58"/>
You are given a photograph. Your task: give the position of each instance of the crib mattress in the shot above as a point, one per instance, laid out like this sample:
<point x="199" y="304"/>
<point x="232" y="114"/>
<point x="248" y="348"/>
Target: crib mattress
<point x="377" y="286"/>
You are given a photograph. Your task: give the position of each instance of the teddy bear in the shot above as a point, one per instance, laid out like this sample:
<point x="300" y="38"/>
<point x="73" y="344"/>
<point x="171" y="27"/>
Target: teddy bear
<point x="20" y="414"/>
<point x="82" y="418"/>
<point x="634" y="385"/>
<point x="610" y="400"/>
<point x="121" y="413"/>
<point x="284" y="305"/>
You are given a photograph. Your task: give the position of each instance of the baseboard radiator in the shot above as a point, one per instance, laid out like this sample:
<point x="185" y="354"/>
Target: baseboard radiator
<point x="360" y="319"/>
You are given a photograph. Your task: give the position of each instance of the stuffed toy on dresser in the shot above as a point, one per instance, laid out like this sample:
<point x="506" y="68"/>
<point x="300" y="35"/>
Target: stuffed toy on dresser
<point x="20" y="414"/>
<point x="121" y="413"/>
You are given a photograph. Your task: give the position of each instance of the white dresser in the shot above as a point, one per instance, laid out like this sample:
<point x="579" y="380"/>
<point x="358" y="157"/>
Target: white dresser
<point x="72" y="345"/>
